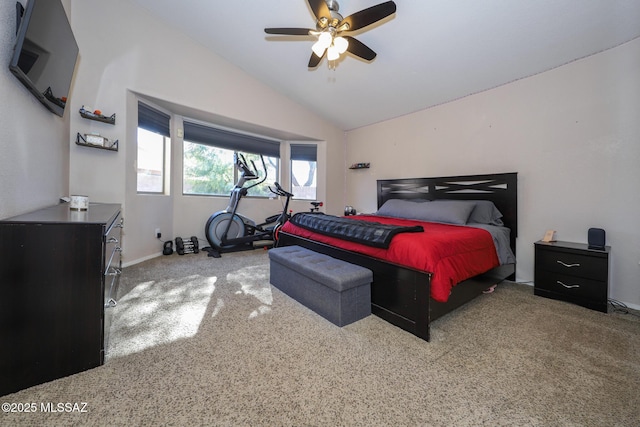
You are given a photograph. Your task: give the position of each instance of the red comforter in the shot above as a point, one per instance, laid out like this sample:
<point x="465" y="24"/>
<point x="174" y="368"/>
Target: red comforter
<point x="452" y="253"/>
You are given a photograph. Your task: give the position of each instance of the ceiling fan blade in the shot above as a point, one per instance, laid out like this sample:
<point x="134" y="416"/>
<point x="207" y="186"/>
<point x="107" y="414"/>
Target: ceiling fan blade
<point x="288" y="31"/>
<point x="320" y="8"/>
<point x="359" y="49"/>
<point x="369" y="16"/>
<point x="315" y="59"/>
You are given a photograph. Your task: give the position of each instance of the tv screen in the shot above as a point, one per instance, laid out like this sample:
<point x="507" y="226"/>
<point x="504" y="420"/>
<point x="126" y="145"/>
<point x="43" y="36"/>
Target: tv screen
<point x="45" y="53"/>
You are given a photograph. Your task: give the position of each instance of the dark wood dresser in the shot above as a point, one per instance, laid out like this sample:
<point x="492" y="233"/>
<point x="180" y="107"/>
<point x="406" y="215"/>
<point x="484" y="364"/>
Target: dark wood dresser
<point x="58" y="275"/>
<point x="572" y="272"/>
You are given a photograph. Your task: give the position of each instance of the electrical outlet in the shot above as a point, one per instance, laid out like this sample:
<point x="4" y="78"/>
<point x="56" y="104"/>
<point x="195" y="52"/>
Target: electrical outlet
<point x="158" y="233"/>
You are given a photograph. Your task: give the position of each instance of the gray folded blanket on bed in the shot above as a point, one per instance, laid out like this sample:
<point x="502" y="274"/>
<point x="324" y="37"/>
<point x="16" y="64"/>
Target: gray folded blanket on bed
<point x="365" y="232"/>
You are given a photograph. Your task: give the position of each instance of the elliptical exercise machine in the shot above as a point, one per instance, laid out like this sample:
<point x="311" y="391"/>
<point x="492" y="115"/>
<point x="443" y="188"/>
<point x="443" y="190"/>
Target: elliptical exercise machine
<point x="229" y="231"/>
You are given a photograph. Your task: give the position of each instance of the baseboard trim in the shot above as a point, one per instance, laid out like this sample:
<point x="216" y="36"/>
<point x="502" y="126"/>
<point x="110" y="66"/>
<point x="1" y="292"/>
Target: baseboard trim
<point x="139" y="260"/>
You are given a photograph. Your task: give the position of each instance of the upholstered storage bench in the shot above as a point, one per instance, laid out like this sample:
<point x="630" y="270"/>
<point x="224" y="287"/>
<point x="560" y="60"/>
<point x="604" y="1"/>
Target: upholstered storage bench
<point x="338" y="291"/>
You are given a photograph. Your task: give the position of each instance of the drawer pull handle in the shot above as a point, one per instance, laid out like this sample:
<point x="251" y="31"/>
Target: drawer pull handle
<point x="118" y="225"/>
<point x="567" y="286"/>
<point x="113" y="271"/>
<point x="111" y="303"/>
<point x="108" y="271"/>
<point x="567" y="265"/>
<point x="112" y="240"/>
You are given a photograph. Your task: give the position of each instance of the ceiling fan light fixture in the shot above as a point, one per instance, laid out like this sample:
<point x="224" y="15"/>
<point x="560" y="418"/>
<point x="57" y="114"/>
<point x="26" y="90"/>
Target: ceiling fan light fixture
<point x="333" y="53"/>
<point x="341" y="44"/>
<point x="318" y="48"/>
<point x="324" y="41"/>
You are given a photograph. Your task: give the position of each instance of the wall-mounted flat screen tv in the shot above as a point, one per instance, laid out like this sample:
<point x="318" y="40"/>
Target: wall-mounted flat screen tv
<point x="45" y="53"/>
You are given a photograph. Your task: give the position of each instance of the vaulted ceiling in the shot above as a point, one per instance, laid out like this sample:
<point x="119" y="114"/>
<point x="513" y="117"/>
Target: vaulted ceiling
<point x="429" y="52"/>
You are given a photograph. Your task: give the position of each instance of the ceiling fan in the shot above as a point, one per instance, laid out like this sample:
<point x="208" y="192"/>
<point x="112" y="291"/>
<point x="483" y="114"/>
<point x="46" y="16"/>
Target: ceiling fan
<point x="331" y="26"/>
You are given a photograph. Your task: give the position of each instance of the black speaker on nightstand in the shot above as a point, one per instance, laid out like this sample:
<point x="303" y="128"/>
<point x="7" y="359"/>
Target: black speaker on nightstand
<point x="596" y="238"/>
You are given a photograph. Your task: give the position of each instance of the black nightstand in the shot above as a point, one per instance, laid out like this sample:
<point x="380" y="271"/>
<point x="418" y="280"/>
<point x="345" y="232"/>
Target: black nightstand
<point x="572" y="272"/>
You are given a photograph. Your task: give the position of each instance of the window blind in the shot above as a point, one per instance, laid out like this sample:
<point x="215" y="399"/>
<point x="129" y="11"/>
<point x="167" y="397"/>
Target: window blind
<point x="306" y="152"/>
<point x="195" y="132"/>
<point x="153" y="120"/>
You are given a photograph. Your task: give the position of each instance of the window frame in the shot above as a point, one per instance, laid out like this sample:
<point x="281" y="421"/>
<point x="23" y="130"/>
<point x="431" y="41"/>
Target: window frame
<point x="154" y="120"/>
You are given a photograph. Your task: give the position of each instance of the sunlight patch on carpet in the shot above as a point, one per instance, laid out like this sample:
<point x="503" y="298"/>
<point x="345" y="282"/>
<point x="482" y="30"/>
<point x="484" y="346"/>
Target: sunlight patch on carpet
<point x="216" y="308"/>
<point x="254" y="281"/>
<point x="159" y="312"/>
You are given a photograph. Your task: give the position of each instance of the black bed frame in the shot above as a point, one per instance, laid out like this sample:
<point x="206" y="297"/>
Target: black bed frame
<point x="401" y="295"/>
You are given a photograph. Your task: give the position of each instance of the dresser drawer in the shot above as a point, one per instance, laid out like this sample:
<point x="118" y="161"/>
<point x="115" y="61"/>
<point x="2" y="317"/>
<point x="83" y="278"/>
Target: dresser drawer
<point x="571" y="286"/>
<point x="572" y="264"/>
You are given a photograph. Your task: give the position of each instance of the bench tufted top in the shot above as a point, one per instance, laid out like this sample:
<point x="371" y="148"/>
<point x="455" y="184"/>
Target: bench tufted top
<point x="334" y="273"/>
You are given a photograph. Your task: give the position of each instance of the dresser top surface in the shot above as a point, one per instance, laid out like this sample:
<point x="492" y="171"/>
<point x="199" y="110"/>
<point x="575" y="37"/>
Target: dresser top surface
<point x="97" y="213"/>
<point x="572" y="245"/>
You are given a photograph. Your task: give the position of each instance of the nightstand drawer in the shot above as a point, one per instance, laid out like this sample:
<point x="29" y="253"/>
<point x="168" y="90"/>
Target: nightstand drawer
<point x="571" y="264"/>
<point x="571" y="286"/>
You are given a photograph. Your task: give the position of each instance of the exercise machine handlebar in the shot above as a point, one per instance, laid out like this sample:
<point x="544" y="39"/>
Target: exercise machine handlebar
<point x="250" y="174"/>
<point x="279" y="191"/>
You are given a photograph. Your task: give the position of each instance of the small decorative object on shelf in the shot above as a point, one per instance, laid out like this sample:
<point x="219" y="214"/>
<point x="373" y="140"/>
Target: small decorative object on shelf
<point x="96" y="141"/>
<point x="360" y="166"/>
<point x="60" y="102"/>
<point x="97" y="115"/>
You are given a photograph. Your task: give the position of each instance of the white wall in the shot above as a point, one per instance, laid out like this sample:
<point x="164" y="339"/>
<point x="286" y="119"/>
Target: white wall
<point x="124" y="51"/>
<point x="34" y="152"/>
<point x="572" y="134"/>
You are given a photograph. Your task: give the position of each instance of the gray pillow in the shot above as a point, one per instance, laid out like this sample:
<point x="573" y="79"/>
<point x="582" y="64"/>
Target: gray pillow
<point x="400" y="208"/>
<point x="484" y="212"/>
<point x="447" y="211"/>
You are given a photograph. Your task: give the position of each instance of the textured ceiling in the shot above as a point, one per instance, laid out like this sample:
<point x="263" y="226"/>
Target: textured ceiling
<point x="429" y="52"/>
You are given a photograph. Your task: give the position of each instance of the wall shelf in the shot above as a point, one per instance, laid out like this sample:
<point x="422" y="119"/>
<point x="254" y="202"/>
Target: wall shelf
<point x="98" y="117"/>
<point x="360" y="166"/>
<point x="82" y="141"/>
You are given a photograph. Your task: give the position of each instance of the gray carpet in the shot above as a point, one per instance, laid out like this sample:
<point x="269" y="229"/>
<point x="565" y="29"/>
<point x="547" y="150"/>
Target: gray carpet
<point x="203" y="341"/>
